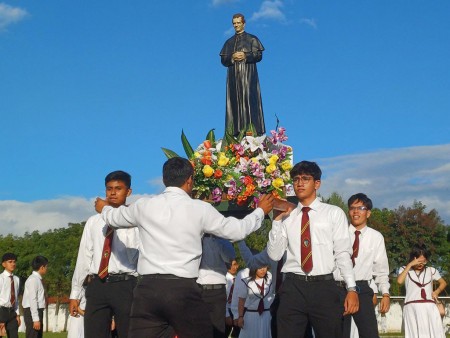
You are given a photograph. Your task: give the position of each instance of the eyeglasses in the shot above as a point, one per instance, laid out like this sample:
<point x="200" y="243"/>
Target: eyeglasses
<point x="302" y="179"/>
<point x="360" y="208"/>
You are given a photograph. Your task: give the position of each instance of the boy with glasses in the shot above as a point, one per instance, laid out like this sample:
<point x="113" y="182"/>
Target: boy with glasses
<point x="316" y="238"/>
<point x="369" y="261"/>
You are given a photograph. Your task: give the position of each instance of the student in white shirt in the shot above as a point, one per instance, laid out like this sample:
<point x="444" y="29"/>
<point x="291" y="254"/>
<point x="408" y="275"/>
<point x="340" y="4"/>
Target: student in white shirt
<point x="309" y="292"/>
<point x="110" y="294"/>
<point x="9" y="296"/>
<point x="171" y="226"/>
<point x="33" y="301"/>
<point x="370" y="261"/>
<point x="231" y="329"/>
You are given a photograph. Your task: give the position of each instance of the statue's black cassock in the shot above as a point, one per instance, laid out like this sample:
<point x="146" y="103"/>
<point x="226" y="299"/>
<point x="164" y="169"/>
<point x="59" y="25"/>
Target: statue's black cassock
<point x="244" y="103"/>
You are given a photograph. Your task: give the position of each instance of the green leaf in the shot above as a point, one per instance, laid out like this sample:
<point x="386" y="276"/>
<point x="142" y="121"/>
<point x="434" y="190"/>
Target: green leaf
<point x="211" y="137"/>
<point x="169" y="153"/>
<point x="252" y="129"/>
<point x="230" y="139"/>
<point x="187" y="146"/>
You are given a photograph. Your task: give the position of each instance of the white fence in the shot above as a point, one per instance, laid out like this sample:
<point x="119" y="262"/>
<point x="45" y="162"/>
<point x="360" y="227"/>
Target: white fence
<point x="390" y="322"/>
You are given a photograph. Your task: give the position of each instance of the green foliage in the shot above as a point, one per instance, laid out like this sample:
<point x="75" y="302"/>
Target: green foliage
<point x="169" y="153"/>
<point x="186" y="145"/>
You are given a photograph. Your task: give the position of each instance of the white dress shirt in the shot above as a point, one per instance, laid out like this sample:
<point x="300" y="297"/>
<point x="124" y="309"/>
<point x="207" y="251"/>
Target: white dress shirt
<point x="372" y="261"/>
<point x="5" y="290"/>
<point x="330" y="241"/>
<point x="215" y="253"/>
<point x="33" y="295"/>
<point x="124" y="252"/>
<point x="171" y="226"/>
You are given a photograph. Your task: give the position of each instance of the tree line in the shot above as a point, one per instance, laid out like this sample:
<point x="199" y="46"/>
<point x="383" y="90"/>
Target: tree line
<point x="401" y="227"/>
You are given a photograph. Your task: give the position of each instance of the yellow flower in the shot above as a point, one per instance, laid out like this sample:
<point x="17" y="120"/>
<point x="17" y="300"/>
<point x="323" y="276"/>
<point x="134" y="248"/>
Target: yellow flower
<point x="286" y="165"/>
<point x="254" y="159"/>
<point x="273" y="159"/>
<point x="208" y="171"/>
<point x="223" y="160"/>
<point x="197" y="154"/>
<point x="271" y="168"/>
<point x="278" y="183"/>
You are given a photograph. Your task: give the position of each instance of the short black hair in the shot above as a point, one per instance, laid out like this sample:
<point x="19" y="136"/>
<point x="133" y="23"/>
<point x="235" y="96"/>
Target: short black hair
<point x="39" y="261"/>
<point x="119" y="175"/>
<point x="176" y="171"/>
<point x="239" y="15"/>
<point x="308" y="168"/>
<point x="9" y="256"/>
<point x="361" y="198"/>
<point x="419" y="250"/>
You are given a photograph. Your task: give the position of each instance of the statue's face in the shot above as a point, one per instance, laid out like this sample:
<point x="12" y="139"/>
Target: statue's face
<point x="238" y="25"/>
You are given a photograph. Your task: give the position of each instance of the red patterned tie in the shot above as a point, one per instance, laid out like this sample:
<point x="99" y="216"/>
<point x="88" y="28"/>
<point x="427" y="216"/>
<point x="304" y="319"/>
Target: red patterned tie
<point x="356" y="246"/>
<point x="230" y="295"/>
<point x="106" y="253"/>
<point x="13" y="292"/>
<point x="261" y="301"/>
<point x="306" y="245"/>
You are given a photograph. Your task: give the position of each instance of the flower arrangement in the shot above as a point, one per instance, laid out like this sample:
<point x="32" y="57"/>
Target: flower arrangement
<point x="240" y="168"/>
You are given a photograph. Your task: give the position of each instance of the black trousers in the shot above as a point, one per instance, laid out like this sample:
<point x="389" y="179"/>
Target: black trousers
<point x="103" y="300"/>
<point x="232" y="331"/>
<point x="365" y="319"/>
<point x="9" y="317"/>
<point x="317" y="302"/>
<point x="215" y="301"/>
<point x="162" y="302"/>
<point x="29" y="331"/>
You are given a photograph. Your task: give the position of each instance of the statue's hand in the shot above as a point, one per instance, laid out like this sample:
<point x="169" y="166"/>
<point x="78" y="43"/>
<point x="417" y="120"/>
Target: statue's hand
<point x="238" y="56"/>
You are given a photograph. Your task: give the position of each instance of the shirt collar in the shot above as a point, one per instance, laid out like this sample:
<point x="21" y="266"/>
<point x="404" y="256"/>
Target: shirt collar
<point x="363" y="230"/>
<point x="37" y="274"/>
<point x="315" y="205"/>
<point x="6" y="273"/>
<point x="175" y="190"/>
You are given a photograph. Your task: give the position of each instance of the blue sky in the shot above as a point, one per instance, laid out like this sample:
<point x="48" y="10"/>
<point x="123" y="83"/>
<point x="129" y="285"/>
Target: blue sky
<point x="86" y="88"/>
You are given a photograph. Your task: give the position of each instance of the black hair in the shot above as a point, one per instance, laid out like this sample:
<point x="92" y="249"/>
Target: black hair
<point x="308" y="168"/>
<point x="230" y="263"/>
<point x="239" y="15"/>
<point x="9" y="256"/>
<point x="361" y="198"/>
<point x="419" y="250"/>
<point x="39" y="261"/>
<point x="252" y="273"/>
<point x="176" y="171"/>
<point x="119" y="175"/>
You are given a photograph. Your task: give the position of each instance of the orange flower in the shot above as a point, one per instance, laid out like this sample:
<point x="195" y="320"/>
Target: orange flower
<point x="206" y="160"/>
<point x="218" y="173"/>
<point x="241" y="200"/>
<point x="249" y="190"/>
<point x="248" y="180"/>
<point x="207" y="144"/>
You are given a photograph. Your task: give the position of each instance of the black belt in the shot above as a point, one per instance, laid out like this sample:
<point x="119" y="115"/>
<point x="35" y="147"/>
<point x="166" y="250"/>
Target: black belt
<point x="120" y="277"/>
<point x="307" y="278"/>
<point x="7" y="308"/>
<point x="212" y="286"/>
<point x="342" y="284"/>
<point x="164" y="276"/>
<point x="248" y="310"/>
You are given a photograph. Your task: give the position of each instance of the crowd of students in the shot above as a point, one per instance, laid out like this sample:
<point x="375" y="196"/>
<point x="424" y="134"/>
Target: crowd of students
<point x="158" y="268"/>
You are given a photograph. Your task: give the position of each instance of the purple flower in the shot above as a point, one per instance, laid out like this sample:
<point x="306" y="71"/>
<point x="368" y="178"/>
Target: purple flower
<point x="216" y="195"/>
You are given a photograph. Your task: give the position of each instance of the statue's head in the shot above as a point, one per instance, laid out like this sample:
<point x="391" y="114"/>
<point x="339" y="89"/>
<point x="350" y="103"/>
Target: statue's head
<point x="238" y="23"/>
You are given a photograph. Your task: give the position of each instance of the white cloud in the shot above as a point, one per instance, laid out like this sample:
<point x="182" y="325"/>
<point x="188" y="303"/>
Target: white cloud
<point x="10" y="15"/>
<point x="222" y="2"/>
<point x="270" y="9"/>
<point x="19" y="217"/>
<point x="309" y="21"/>
<point x="393" y="177"/>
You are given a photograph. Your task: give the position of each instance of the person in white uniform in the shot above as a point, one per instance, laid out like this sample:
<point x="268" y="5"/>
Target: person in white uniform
<point x="76" y="323"/>
<point x="420" y="315"/>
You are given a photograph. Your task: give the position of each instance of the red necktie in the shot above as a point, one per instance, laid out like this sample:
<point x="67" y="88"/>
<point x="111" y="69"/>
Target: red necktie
<point x="106" y="253"/>
<point x="13" y="292"/>
<point x="261" y="301"/>
<point x="230" y="295"/>
<point x="306" y="245"/>
<point x="355" y="246"/>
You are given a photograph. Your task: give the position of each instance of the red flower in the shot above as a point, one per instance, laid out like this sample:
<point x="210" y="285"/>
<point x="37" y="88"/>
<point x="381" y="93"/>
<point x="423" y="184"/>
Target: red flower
<point x="207" y="144"/>
<point x="248" y="180"/>
<point x="218" y="173"/>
